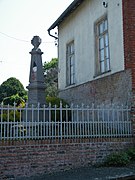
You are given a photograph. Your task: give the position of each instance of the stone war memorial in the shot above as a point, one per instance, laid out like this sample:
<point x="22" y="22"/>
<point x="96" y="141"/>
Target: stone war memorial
<point x="36" y="87"/>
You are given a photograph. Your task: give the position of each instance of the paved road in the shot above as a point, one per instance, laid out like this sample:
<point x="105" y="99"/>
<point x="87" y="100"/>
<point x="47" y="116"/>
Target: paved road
<point x="87" y="173"/>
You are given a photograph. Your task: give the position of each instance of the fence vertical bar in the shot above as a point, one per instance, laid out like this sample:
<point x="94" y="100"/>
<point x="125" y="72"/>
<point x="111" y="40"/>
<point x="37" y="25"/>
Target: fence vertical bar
<point x="41" y="121"/>
<point x="72" y="124"/>
<point x="126" y="121"/>
<point x="122" y="120"/>
<point x="129" y="121"/>
<point x="66" y="123"/>
<point x="88" y="121"/>
<point x="29" y="127"/>
<point x="90" y="127"/>
<point x="61" y="120"/>
<point x="34" y="121"/>
<point x="32" y="109"/>
<point x="77" y="122"/>
<point x="111" y="124"/>
<point x="1" y="119"/>
<point x="93" y="120"/>
<point x="107" y="124"/>
<point x="55" y="121"/>
<point x="82" y="121"/>
<point x="72" y="118"/>
<point x="14" y="120"/>
<point x="48" y="125"/>
<point x="4" y="125"/>
<point x="26" y="120"/>
<point x="38" y="106"/>
<point x="44" y="114"/>
<point x="52" y="124"/>
<point x="118" y="121"/>
<point x="20" y="117"/>
<point x="103" y="120"/>
<point x="8" y="128"/>
<point x="97" y="125"/>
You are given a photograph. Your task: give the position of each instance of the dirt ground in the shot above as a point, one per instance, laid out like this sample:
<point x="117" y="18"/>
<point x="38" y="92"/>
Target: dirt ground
<point x="89" y="173"/>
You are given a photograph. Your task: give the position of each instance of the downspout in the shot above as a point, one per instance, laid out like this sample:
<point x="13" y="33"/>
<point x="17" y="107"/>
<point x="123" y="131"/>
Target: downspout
<point x="51" y="34"/>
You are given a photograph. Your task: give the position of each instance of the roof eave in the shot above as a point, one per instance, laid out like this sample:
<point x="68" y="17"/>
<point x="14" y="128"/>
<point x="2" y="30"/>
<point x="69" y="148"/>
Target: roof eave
<point x="66" y="13"/>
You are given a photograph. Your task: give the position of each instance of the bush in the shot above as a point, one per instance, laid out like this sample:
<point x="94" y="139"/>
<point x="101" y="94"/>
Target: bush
<point x="55" y="101"/>
<point x="131" y="153"/>
<point x="118" y="159"/>
<point x="55" y="115"/>
<point x="12" y="114"/>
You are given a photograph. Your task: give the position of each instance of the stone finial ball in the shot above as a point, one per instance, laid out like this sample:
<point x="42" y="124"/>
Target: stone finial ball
<point x="36" y="41"/>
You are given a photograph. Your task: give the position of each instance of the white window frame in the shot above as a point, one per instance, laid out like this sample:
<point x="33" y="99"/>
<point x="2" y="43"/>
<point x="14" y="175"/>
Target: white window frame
<point x="102" y="46"/>
<point x="70" y="64"/>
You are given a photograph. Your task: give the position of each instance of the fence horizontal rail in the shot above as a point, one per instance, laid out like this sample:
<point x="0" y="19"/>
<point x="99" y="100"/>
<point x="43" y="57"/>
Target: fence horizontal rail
<point x="64" y="122"/>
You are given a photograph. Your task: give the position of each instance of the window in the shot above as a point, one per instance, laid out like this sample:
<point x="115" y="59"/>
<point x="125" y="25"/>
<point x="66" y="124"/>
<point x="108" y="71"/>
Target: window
<point x="70" y="64"/>
<point x="102" y="47"/>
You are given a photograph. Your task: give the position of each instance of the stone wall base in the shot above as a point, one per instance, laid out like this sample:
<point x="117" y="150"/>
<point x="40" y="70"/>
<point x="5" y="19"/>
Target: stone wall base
<point x="113" y="89"/>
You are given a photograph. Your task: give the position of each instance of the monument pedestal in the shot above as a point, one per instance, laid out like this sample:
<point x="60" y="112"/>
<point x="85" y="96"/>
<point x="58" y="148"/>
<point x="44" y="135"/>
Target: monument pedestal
<point x="36" y="94"/>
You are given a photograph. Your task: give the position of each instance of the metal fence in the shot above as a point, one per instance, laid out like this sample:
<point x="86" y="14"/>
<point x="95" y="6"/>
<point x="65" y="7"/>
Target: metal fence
<point x="54" y="122"/>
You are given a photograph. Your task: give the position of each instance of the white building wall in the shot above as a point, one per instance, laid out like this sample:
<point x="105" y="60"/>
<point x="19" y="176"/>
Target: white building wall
<point x="79" y="26"/>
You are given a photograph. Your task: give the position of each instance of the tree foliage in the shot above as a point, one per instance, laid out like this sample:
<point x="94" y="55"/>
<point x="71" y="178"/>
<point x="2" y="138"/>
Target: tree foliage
<point x="53" y="64"/>
<point x="12" y="89"/>
<point x="51" y="77"/>
<point x="15" y="98"/>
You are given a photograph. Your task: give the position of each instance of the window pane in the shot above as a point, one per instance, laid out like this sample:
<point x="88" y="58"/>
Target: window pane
<point x="72" y="79"/>
<point x="71" y="60"/>
<point x="71" y="73"/>
<point x="68" y="65"/>
<point x="106" y="40"/>
<point x="101" y="43"/>
<point x="71" y="69"/>
<point x="102" y="57"/>
<point x="101" y="27"/>
<point x="107" y="64"/>
<point x="72" y="48"/>
<point x="68" y="50"/>
<point x="102" y="67"/>
<point x="105" y="25"/>
<point x="107" y="52"/>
